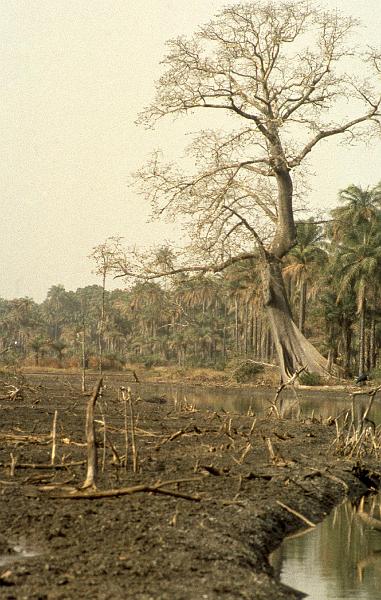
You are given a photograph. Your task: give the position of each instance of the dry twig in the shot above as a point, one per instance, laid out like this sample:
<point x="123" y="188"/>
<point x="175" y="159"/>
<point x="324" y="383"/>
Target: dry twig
<point x="296" y="514"/>
<point x="54" y="436"/>
<point x="155" y="488"/>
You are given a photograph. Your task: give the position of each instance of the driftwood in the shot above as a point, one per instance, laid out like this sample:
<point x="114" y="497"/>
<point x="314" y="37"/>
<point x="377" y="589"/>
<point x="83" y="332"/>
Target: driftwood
<point x="92" y="458"/>
<point x="12" y="394"/>
<point x="43" y="465"/>
<point x="371" y="521"/>
<point x="367" y="518"/>
<point x="296" y="514"/>
<point x="371" y="393"/>
<point x="130" y="437"/>
<point x="357" y="434"/>
<point x="291" y="381"/>
<point x="13" y="437"/>
<point x="155" y="488"/>
<point x="173" y="436"/>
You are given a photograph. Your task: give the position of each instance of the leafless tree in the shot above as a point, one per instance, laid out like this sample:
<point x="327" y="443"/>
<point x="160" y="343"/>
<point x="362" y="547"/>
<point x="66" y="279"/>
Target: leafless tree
<point x="105" y="257"/>
<point x="286" y="76"/>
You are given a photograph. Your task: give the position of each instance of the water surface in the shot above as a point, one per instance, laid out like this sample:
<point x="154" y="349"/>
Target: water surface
<point x="340" y="559"/>
<point x="306" y="402"/>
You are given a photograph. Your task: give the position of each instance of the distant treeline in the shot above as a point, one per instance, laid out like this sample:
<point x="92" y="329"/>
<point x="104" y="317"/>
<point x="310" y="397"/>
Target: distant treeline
<point x="333" y="279"/>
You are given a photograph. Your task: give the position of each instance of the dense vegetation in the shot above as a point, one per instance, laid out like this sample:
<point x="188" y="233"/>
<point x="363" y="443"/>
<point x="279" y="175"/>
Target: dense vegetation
<point x="333" y="279"/>
<point x="285" y="77"/>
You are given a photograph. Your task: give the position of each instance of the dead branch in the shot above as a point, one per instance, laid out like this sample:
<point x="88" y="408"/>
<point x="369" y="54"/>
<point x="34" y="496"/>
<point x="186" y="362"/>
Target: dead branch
<point x="291" y="381"/>
<point x="245" y="452"/>
<point x="42" y="438"/>
<point x="172" y="437"/>
<point x="91" y="474"/>
<point x="270" y="449"/>
<point x="133" y="439"/>
<point x="42" y="465"/>
<point x="54" y="436"/>
<point x="12" y="394"/>
<point x="128" y="406"/>
<point x="216" y="268"/>
<point x="296" y="514"/>
<point x="155" y="488"/>
<point x="371" y="521"/>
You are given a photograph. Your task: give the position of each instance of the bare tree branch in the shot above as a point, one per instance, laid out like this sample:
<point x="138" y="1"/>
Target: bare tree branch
<point x="215" y="268"/>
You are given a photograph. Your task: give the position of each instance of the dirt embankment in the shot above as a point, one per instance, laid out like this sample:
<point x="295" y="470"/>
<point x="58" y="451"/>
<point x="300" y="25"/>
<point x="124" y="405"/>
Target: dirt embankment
<point x="237" y="484"/>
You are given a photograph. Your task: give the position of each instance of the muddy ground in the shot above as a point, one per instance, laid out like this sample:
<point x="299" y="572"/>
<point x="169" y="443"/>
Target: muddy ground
<point x="207" y="537"/>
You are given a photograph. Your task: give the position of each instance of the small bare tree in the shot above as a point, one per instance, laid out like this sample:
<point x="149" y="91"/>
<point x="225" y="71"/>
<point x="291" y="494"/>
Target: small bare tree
<point x="290" y="76"/>
<point x="105" y="256"/>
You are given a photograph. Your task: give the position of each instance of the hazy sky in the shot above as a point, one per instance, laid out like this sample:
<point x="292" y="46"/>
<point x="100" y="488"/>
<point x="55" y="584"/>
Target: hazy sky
<point x="74" y="75"/>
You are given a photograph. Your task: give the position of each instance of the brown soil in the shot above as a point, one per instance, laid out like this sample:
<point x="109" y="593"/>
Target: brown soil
<point x="207" y="537"/>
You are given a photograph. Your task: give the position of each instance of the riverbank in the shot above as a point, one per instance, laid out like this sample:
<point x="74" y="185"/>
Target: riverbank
<point x="268" y="377"/>
<point x="236" y="485"/>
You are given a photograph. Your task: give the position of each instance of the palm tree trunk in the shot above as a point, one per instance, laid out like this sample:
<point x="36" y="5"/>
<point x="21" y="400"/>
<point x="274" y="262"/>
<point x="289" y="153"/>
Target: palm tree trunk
<point x="372" y="342"/>
<point x="362" y="339"/>
<point x="236" y="330"/>
<point x="246" y="328"/>
<point x="347" y="343"/>
<point x="302" y="304"/>
<point x="259" y="337"/>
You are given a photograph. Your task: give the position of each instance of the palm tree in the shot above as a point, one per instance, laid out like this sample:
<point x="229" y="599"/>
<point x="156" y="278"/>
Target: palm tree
<point x="244" y="294"/>
<point x="38" y="344"/>
<point x="361" y="206"/>
<point x="355" y="234"/>
<point x="198" y="316"/>
<point x="305" y="262"/>
<point x="339" y="316"/>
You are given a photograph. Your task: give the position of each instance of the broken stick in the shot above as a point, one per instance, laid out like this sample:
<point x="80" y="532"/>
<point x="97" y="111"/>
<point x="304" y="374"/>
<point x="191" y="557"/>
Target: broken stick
<point x="92" y="458"/>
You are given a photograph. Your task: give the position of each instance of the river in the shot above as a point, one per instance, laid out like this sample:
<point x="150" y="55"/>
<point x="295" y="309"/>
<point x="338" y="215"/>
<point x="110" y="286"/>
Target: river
<point x="340" y="559"/>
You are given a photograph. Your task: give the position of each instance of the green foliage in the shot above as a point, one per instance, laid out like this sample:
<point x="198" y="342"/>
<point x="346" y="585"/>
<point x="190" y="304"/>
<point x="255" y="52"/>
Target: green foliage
<point x="310" y="378"/>
<point x="246" y="371"/>
<point x="375" y="375"/>
<point x="205" y="321"/>
<point x="113" y="361"/>
<point x="149" y="360"/>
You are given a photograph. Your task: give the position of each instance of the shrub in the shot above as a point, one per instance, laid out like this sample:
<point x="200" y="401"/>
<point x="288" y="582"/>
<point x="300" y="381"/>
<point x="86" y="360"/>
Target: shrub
<point x="152" y="360"/>
<point x="375" y="374"/>
<point x="246" y="371"/>
<point x="310" y="378"/>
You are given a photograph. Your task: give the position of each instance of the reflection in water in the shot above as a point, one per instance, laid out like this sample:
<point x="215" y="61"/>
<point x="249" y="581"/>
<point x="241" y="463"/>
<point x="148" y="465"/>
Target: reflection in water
<point x="338" y="560"/>
<point x="341" y="558"/>
<point x="320" y="403"/>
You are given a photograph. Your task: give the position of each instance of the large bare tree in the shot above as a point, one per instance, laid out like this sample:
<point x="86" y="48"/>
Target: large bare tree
<point x="286" y="76"/>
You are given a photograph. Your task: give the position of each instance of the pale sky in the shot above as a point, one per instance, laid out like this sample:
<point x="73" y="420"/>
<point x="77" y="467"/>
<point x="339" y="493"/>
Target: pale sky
<point x="74" y="76"/>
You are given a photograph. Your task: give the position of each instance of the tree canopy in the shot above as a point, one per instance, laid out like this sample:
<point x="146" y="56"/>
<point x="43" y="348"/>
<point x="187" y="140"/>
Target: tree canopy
<point x="289" y="76"/>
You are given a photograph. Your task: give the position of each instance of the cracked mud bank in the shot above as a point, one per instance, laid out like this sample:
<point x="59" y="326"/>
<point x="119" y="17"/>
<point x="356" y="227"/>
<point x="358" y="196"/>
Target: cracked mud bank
<point x="237" y="484"/>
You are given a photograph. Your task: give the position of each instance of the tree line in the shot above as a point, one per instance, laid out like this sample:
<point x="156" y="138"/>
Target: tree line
<point x="333" y="283"/>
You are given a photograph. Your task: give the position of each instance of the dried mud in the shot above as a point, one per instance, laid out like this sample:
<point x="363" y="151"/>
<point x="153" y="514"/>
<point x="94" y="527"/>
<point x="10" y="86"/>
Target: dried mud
<point x="210" y="539"/>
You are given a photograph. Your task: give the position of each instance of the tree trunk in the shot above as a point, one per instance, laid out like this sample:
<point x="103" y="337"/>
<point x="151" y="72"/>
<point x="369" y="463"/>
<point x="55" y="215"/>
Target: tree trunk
<point x="264" y="336"/>
<point x="255" y="336"/>
<point x="246" y="328"/>
<point x="362" y="339"/>
<point x="236" y="325"/>
<point x="101" y="325"/>
<point x="293" y="349"/>
<point x="347" y="344"/>
<point x="372" y="342"/>
<point x="302" y="304"/>
<point x="269" y="344"/>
